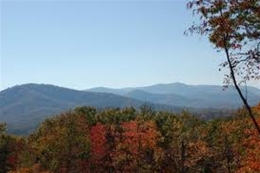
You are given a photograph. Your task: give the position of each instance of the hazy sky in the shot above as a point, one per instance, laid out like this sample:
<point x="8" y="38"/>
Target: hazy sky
<point x="84" y="44"/>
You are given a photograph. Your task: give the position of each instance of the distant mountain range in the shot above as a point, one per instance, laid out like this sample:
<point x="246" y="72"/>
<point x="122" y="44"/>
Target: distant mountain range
<point x="24" y="106"/>
<point x="179" y="94"/>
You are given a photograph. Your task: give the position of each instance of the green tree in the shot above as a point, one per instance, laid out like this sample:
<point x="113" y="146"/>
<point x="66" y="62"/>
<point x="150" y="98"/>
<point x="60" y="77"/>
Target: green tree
<point x="88" y="112"/>
<point x="62" y="144"/>
<point x="3" y="148"/>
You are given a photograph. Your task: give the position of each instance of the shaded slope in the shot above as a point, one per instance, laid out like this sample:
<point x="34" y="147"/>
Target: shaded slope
<point x="26" y="105"/>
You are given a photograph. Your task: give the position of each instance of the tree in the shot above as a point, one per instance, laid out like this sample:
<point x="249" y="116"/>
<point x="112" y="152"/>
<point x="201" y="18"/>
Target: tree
<point x="3" y="147"/>
<point x="233" y="26"/>
<point x="137" y="149"/>
<point x="99" y="147"/>
<point x="33" y="169"/>
<point x="62" y="144"/>
<point x="251" y="160"/>
<point x="88" y="112"/>
<point x="10" y="150"/>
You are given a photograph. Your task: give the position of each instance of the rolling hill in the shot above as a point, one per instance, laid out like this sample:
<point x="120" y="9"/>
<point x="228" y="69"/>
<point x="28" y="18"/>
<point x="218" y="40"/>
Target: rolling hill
<point x="22" y="107"/>
<point x="179" y="94"/>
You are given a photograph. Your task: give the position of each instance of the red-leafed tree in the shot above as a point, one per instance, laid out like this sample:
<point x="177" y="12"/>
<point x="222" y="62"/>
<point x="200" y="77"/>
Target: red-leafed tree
<point x="15" y="147"/>
<point x="98" y="146"/>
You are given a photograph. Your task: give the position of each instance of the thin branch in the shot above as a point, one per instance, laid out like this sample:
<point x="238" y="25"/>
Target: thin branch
<point x="237" y="87"/>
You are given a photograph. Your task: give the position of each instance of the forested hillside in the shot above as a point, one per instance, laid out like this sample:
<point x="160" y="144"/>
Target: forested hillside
<point x="161" y="128"/>
<point x="127" y="140"/>
<point x="24" y="107"/>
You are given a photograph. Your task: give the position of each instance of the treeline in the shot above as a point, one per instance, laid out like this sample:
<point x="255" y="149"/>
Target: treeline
<point x="127" y="140"/>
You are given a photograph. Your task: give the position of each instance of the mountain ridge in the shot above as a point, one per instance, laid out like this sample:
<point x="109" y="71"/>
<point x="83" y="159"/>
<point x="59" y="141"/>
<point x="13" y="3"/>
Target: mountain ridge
<point x="199" y="96"/>
<point x="24" y="106"/>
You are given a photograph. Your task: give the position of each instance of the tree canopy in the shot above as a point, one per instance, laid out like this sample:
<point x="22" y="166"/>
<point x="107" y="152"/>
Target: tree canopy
<point x="129" y="140"/>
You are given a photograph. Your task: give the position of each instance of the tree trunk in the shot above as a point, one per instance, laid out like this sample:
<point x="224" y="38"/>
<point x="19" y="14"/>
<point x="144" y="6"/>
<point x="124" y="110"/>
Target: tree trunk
<point x="239" y="90"/>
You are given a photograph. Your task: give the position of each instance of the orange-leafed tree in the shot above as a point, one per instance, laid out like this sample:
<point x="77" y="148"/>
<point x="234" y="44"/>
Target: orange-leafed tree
<point x="251" y="160"/>
<point x="135" y="147"/>
<point x="233" y="26"/>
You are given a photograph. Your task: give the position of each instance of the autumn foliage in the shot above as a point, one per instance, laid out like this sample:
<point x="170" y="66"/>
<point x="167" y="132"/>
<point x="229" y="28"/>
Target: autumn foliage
<point x="127" y="140"/>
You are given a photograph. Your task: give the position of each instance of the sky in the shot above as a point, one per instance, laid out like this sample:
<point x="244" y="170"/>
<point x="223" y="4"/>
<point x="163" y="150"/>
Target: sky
<point x="85" y="44"/>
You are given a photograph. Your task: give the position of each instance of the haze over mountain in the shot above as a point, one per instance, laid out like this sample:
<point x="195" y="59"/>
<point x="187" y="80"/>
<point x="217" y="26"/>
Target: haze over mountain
<point x="179" y="94"/>
<point x="24" y="106"/>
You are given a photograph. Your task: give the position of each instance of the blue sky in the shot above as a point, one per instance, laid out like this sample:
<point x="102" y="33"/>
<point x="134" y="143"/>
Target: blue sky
<point x="84" y="44"/>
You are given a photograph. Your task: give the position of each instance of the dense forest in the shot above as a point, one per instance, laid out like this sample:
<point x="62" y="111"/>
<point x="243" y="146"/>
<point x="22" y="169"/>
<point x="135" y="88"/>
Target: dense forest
<point x="130" y="140"/>
<point x="126" y="139"/>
